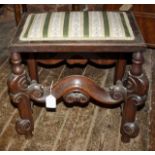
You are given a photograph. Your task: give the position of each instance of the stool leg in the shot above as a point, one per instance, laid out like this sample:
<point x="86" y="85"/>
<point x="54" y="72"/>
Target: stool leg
<point x="137" y="88"/>
<point x="32" y="67"/>
<point x="17" y="12"/>
<point x="120" y="68"/>
<point x="18" y="84"/>
<point x="24" y="7"/>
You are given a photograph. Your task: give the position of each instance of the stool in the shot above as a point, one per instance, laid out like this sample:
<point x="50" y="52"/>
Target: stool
<point x="98" y="37"/>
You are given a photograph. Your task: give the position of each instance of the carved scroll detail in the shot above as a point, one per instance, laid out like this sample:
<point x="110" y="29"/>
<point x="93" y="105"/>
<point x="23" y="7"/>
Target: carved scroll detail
<point x="37" y="92"/>
<point x="87" y="87"/>
<point x="18" y="83"/>
<point x="79" y="89"/>
<point x="137" y="88"/>
<point x="116" y="91"/>
<point x="76" y="97"/>
<point x="17" y="87"/>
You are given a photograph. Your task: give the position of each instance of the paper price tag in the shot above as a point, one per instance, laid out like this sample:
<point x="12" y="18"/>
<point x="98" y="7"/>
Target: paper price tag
<point x="50" y="101"/>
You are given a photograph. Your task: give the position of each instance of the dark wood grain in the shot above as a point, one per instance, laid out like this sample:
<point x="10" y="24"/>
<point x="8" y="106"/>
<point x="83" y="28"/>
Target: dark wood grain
<point x="32" y="67"/>
<point x="146" y="22"/>
<point x="120" y="67"/>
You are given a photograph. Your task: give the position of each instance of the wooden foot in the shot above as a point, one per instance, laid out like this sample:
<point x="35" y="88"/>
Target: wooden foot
<point x="18" y="84"/>
<point x="137" y="88"/>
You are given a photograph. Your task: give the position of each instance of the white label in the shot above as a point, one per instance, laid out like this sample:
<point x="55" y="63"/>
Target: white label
<point x="50" y="102"/>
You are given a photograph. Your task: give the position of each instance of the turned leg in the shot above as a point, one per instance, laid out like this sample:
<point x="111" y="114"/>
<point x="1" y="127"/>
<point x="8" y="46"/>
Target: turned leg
<point x="32" y="67"/>
<point x="120" y="68"/>
<point x="17" y="12"/>
<point x="137" y="88"/>
<point x="18" y="84"/>
<point x="24" y="7"/>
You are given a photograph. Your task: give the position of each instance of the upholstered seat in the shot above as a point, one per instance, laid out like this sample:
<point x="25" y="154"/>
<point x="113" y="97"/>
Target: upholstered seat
<point x="92" y="25"/>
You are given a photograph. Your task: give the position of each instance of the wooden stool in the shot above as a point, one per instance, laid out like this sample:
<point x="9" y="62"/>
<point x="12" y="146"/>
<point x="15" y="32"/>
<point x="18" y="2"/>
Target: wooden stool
<point x="78" y="38"/>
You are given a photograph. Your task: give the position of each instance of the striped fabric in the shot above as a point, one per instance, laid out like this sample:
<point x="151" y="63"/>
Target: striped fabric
<point x="93" y="25"/>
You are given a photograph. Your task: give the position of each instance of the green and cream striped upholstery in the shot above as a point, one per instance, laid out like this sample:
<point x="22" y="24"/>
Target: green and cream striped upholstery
<point x="93" y="25"/>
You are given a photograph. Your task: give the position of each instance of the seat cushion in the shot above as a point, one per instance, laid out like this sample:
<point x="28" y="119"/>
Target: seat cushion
<point x="92" y="25"/>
